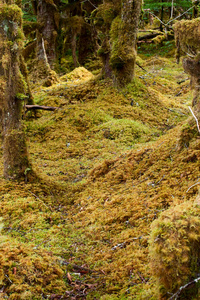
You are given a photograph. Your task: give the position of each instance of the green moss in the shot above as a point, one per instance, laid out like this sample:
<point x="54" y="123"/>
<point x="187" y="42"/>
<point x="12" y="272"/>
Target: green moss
<point x="125" y="131"/>
<point x="104" y="15"/>
<point x="12" y="12"/>
<point x="120" y="54"/>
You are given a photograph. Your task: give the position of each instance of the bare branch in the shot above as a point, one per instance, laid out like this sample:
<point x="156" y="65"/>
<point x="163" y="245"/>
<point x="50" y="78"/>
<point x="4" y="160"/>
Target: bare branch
<point x="157" y="18"/>
<point x="34" y="107"/>
<point x="176" y="295"/>
<point x="181" y="15"/>
<point x="192" y="186"/>
<point x="195" y="119"/>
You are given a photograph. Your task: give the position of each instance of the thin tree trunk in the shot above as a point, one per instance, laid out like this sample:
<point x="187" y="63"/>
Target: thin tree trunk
<point x="161" y="17"/>
<point x="105" y="57"/>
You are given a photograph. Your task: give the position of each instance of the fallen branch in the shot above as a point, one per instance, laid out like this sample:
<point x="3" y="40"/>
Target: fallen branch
<point x="195" y="119"/>
<point x="34" y="107"/>
<point x="141" y="67"/>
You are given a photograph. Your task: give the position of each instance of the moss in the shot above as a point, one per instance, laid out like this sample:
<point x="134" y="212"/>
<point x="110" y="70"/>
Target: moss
<point x="98" y="195"/>
<point x="187" y="34"/>
<point x="30" y="272"/>
<point x="11" y="11"/>
<point x="121" y="54"/>
<point x="104" y="15"/>
<point x="174" y="248"/>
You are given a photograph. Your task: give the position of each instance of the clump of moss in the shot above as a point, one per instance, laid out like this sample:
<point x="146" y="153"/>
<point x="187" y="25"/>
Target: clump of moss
<point x="126" y="131"/>
<point x="78" y="74"/>
<point x="175" y="249"/>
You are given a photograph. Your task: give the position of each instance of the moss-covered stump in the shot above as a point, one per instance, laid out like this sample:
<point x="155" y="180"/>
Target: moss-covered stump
<point x="175" y="250"/>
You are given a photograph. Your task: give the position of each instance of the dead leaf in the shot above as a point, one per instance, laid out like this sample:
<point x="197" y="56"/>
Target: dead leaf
<point x="69" y="277"/>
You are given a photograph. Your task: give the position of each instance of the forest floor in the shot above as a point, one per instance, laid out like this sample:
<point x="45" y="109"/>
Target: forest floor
<point x="108" y="163"/>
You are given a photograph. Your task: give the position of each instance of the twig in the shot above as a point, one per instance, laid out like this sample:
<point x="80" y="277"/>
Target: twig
<point x="175" y="296"/>
<point x="158" y="19"/>
<point x="181" y="81"/>
<point x="166" y="25"/>
<point x="9" y="278"/>
<point x="48" y="207"/>
<point x="192" y="186"/>
<point x="89" y="2"/>
<point x="195" y="119"/>
<point x="141" y="67"/>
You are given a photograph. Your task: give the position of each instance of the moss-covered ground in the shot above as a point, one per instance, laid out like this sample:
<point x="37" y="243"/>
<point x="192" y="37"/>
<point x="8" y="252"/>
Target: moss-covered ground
<point x="108" y="163"/>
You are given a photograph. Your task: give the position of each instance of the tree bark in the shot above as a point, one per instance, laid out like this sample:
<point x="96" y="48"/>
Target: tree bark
<point x="12" y="86"/>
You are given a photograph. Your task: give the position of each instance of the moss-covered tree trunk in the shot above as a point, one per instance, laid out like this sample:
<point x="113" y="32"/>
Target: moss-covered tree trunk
<point x="12" y="87"/>
<point x="123" y="38"/>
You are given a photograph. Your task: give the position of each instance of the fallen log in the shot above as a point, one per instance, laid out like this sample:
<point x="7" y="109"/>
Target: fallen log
<point x="149" y="36"/>
<point x="34" y="107"/>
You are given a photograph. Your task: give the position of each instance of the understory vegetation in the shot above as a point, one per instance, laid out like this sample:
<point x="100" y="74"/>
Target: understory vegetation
<point x="115" y="201"/>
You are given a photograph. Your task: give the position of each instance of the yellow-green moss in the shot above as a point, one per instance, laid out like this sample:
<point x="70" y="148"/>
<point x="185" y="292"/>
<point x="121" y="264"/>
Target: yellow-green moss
<point x="99" y="196"/>
<point x="174" y="248"/>
<point x="187" y="36"/>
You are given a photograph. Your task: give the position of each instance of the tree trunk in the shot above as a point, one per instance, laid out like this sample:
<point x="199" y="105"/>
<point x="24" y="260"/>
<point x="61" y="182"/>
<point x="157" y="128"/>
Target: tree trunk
<point x="105" y="57"/>
<point x="48" y="18"/>
<point x="123" y="38"/>
<point x="73" y="45"/>
<point x="12" y="88"/>
<point x="161" y="18"/>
